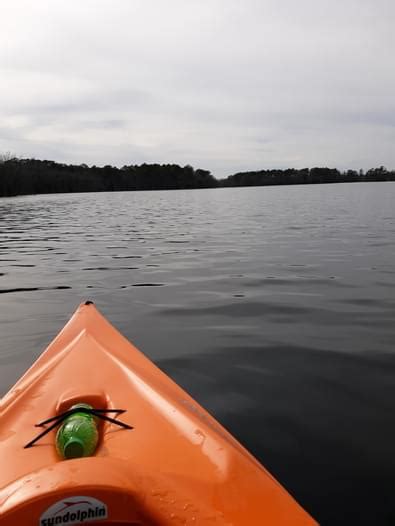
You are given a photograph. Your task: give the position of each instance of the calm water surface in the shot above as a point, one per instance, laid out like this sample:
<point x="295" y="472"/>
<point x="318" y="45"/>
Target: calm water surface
<point x="274" y="307"/>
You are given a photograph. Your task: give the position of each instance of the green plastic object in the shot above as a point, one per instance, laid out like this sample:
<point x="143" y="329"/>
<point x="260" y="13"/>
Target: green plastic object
<point x="78" y="435"/>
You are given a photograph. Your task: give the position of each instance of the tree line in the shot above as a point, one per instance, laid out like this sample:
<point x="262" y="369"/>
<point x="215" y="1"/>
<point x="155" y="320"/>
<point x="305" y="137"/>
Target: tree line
<point x="31" y="176"/>
<point x="307" y="176"/>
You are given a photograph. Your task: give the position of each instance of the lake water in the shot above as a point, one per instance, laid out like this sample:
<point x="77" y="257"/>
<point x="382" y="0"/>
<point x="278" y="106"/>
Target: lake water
<point x="273" y="306"/>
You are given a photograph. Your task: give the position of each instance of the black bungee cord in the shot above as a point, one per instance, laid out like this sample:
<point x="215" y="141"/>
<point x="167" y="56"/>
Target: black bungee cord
<point x="58" y="419"/>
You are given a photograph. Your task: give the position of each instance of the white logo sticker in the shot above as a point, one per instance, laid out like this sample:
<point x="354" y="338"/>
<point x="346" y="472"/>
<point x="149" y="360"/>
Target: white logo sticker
<point x="74" y="510"/>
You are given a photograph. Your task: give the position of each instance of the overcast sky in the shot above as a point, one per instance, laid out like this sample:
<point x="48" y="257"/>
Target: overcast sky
<point x="225" y="85"/>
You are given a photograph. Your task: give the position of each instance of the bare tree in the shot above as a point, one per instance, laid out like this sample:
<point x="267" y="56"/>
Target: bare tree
<point x="7" y="156"/>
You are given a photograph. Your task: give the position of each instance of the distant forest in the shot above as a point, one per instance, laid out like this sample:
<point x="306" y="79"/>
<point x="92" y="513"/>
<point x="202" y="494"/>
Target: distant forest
<point x="31" y="176"/>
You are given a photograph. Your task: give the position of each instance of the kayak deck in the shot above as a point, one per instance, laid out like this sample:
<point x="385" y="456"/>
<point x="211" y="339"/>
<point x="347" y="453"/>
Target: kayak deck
<point x="177" y="466"/>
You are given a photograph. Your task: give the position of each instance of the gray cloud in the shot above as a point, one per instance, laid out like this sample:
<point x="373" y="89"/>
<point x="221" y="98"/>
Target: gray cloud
<point x="221" y="84"/>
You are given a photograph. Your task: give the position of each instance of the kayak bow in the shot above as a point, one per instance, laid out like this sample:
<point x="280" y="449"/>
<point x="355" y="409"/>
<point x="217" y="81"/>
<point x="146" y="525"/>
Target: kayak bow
<point x="171" y="463"/>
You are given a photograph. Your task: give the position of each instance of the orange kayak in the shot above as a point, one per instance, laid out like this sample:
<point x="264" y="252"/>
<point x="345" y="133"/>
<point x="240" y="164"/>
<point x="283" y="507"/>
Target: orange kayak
<point x="173" y="465"/>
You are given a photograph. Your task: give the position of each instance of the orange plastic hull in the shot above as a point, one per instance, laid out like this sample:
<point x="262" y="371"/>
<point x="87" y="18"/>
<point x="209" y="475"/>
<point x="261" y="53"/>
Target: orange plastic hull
<point x="178" y="466"/>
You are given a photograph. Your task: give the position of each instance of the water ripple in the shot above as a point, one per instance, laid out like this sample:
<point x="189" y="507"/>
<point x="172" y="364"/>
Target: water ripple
<point x="32" y="289"/>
